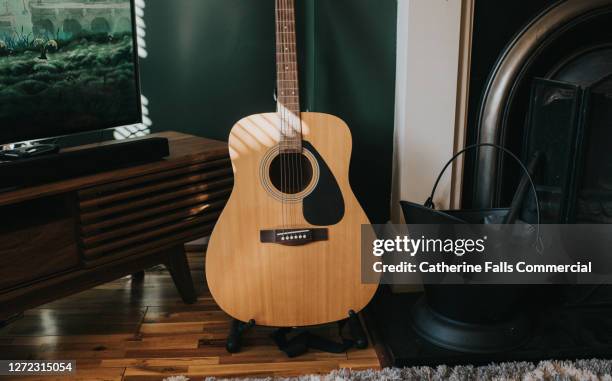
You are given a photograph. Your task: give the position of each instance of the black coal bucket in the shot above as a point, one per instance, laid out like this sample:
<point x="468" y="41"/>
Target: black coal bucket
<point x="470" y="318"/>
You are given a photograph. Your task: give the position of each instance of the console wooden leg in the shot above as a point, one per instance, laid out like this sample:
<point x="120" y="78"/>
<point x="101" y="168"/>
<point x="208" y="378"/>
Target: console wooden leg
<point x="181" y="275"/>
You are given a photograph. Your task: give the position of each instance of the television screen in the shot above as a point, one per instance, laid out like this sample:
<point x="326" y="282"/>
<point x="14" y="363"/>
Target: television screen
<point x="66" y="66"/>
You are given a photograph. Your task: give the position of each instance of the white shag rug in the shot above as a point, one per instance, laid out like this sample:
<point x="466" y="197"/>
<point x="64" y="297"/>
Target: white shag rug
<point x="581" y="370"/>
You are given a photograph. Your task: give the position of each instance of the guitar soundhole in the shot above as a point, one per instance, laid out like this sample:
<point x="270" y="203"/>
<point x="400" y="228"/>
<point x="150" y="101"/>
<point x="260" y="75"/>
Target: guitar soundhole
<point x="290" y="173"/>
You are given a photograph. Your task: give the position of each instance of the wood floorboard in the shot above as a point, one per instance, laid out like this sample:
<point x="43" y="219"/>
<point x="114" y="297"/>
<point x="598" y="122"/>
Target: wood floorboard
<point x="133" y="331"/>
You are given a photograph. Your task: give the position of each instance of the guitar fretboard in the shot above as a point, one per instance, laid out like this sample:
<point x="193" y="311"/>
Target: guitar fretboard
<point x="288" y="91"/>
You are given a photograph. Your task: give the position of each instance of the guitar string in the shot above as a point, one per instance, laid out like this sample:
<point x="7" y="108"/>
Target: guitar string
<point x="288" y="111"/>
<point x="299" y="119"/>
<point x="289" y="107"/>
<point x="289" y="32"/>
<point x="287" y="121"/>
<point x="291" y="110"/>
<point x="278" y="105"/>
<point x="291" y="123"/>
<point x="293" y="69"/>
<point x="280" y="111"/>
<point x="289" y="159"/>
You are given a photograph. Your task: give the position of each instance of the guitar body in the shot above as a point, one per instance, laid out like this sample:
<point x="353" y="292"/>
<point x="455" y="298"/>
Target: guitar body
<point x="284" y="285"/>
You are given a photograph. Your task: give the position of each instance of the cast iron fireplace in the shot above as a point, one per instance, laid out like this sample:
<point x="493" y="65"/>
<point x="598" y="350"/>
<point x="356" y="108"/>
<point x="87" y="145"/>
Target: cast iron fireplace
<point x="551" y="90"/>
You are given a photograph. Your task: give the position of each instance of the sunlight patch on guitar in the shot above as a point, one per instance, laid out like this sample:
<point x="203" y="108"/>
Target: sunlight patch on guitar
<point x="268" y="132"/>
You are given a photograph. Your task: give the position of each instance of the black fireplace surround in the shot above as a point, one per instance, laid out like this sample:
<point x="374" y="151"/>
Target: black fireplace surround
<point x="570" y="42"/>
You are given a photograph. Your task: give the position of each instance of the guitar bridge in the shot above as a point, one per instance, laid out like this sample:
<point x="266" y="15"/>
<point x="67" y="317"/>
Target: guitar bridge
<point x="293" y="237"/>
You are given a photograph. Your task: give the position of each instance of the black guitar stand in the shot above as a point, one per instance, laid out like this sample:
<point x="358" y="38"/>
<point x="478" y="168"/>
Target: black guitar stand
<point x="356" y="330"/>
<point x="303" y="340"/>
<point x="234" y="339"/>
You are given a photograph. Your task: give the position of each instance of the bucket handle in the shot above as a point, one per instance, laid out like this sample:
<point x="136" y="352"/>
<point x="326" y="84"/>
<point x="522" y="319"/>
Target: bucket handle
<point x="430" y="204"/>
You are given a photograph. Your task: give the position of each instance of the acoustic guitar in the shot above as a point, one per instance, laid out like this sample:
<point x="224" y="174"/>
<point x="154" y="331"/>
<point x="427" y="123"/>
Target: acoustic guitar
<point x="286" y="248"/>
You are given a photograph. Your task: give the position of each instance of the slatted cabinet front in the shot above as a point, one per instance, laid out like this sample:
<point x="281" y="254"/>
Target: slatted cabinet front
<point x="142" y="214"/>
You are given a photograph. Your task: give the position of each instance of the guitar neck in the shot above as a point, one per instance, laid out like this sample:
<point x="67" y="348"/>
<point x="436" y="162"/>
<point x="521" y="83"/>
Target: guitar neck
<point x="288" y="91"/>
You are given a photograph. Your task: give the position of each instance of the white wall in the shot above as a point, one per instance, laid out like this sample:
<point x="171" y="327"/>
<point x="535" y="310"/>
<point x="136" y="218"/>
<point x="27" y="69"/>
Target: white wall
<point x="429" y="36"/>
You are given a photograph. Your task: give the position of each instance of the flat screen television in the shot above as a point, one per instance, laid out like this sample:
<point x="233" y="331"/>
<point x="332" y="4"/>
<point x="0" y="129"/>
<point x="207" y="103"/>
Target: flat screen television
<point x="66" y="67"/>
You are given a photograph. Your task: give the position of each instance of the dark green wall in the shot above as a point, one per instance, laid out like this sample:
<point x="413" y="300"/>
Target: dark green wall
<point x="211" y="62"/>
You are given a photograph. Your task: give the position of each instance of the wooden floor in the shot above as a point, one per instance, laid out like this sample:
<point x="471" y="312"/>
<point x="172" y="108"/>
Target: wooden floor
<point x="127" y="330"/>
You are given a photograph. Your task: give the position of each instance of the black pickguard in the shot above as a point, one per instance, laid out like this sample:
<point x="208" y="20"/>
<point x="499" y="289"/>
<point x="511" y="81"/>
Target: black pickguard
<point x="325" y="205"/>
